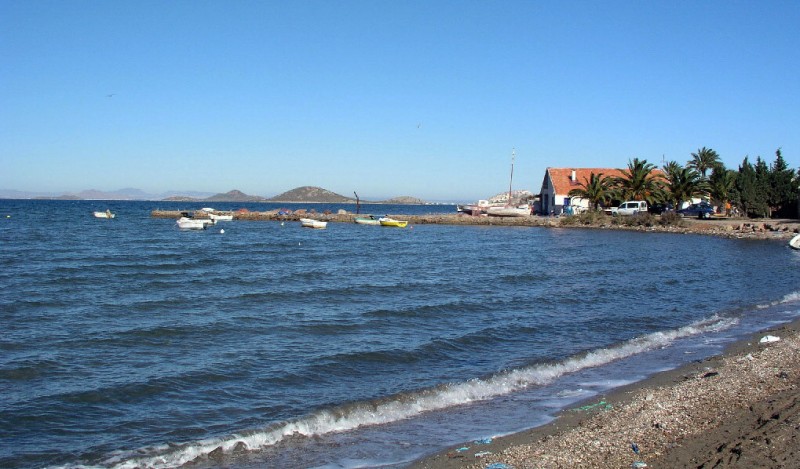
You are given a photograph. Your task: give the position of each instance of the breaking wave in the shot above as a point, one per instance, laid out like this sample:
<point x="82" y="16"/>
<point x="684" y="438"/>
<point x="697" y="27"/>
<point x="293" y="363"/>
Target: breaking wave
<point x="404" y="406"/>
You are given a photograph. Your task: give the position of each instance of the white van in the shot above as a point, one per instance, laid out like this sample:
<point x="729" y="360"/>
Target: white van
<point x="631" y="207"/>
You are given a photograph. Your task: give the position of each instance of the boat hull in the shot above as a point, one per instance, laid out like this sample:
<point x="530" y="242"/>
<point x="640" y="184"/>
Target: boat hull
<point x="508" y="211"/>
<point x="794" y="243"/>
<point x="310" y="223"/>
<point x="367" y="221"/>
<point x="104" y="215"/>
<point x="193" y="223"/>
<point x="390" y="222"/>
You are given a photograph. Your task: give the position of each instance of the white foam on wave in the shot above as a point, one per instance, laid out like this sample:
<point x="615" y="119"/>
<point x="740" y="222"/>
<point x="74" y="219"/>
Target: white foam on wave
<point x="406" y="406"/>
<point x="788" y="298"/>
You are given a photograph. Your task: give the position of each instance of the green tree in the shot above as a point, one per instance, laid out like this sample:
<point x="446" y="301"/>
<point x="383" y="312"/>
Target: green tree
<point x="750" y="195"/>
<point x="783" y="187"/>
<point x="598" y="189"/>
<point x="683" y="184"/>
<point x="722" y="184"/>
<point x="639" y="182"/>
<point x="703" y="160"/>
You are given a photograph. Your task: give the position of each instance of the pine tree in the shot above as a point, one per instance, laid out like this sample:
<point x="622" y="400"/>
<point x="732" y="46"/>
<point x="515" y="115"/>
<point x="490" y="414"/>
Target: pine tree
<point x="783" y="188"/>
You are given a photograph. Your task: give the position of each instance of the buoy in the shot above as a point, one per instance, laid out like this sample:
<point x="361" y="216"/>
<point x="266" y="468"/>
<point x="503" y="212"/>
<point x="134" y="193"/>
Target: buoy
<point x="221" y="231"/>
<point x="281" y="223"/>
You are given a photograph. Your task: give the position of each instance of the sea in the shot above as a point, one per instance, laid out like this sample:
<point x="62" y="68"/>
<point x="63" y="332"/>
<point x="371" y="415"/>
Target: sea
<point x="128" y="343"/>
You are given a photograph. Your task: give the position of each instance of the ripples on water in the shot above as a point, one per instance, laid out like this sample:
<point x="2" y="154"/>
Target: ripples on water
<point x="124" y="336"/>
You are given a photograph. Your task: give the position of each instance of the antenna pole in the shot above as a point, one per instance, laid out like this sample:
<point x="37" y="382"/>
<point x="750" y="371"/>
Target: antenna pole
<point x="511" y="180"/>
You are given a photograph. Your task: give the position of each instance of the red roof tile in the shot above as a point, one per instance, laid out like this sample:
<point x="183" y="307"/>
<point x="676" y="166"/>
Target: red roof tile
<point x="563" y="182"/>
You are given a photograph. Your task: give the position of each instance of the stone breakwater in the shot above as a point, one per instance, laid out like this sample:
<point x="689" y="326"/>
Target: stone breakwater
<point x="727" y="227"/>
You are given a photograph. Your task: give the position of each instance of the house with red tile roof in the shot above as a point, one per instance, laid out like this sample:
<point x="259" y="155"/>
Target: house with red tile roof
<point x="557" y="183"/>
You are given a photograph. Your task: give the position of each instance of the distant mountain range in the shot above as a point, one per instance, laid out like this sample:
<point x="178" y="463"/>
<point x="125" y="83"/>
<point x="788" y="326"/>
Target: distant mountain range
<point x="307" y="194"/>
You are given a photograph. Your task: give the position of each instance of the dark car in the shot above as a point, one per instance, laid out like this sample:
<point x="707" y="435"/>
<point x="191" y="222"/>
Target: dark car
<point x="659" y="208"/>
<point x="701" y="210"/>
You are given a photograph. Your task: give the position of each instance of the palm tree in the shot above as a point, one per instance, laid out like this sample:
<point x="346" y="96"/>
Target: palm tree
<point x="597" y="189"/>
<point x="721" y="184"/>
<point x="684" y="184"/>
<point x="638" y="182"/>
<point x="703" y="160"/>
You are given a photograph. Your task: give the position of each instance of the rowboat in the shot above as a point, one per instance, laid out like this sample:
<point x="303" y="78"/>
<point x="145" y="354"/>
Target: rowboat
<point x="311" y="223"/>
<point x="794" y="243"/>
<point x="367" y="220"/>
<point x="106" y="214"/>
<point x="185" y="223"/>
<point x="386" y="221"/>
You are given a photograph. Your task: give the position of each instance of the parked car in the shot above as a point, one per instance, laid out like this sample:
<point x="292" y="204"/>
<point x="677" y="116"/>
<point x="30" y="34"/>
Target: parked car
<point x="658" y="209"/>
<point x="631" y="207"/>
<point x="701" y="210"/>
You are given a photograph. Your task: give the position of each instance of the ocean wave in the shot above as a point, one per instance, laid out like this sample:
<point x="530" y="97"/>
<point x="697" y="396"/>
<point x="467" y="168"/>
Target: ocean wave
<point x="404" y="406"/>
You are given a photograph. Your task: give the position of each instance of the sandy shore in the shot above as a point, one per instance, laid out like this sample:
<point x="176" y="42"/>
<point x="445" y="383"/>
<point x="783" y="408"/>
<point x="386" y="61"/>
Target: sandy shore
<point x="739" y="409"/>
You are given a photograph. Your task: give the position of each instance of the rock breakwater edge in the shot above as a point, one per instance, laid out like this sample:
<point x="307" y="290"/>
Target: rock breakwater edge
<point x="724" y="227"/>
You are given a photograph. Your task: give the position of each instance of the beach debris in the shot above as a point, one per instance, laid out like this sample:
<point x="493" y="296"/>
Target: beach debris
<point x="481" y="454"/>
<point x="638" y="464"/>
<point x="710" y="374"/>
<point x="484" y="441"/>
<point x="635" y="448"/>
<point x="462" y="449"/>
<point x="768" y="339"/>
<point x="498" y="465"/>
<point x="602" y="405"/>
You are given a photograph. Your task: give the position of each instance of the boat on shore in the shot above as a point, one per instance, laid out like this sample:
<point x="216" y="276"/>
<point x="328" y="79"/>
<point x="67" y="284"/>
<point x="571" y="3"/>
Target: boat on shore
<point x="794" y="243"/>
<point x="311" y="223"/>
<point x="367" y="220"/>
<point x="387" y="221"/>
<point x="107" y="214"/>
<point x="509" y="209"/>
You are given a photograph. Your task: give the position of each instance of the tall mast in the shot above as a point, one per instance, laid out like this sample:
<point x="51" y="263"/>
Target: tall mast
<point x="511" y="180"/>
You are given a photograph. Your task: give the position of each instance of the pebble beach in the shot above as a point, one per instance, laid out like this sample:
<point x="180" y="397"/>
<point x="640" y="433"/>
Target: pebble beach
<point x="739" y="409"/>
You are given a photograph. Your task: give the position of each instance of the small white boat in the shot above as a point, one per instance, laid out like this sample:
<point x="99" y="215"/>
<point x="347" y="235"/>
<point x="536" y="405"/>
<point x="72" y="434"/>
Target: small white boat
<point x="193" y="223"/>
<point x="106" y="214"/>
<point x="510" y="211"/>
<point x="794" y="243"/>
<point x="310" y="223"/>
<point x="216" y="217"/>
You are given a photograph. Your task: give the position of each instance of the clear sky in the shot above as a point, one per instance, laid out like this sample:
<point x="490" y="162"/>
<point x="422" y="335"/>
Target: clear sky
<point x="387" y="98"/>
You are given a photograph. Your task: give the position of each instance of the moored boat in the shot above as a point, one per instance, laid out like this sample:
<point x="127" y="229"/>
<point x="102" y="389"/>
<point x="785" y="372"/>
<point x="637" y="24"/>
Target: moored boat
<point x="106" y="214"/>
<point x="185" y="223"/>
<point x="217" y="218"/>
<point x="386" y="221"/>
<point x="367" y="220"/>
<point x="794" y="243"/>
<point x="311" y="223"/>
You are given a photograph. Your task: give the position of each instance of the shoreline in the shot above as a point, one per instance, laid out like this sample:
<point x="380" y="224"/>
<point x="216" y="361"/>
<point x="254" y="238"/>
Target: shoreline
<point x="739" y="408"/>
<point x="736" y="228"/>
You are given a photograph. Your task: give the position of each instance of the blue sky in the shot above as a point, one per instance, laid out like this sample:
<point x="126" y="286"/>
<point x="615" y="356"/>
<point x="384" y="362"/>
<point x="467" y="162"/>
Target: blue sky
<point x="386" y="98"/>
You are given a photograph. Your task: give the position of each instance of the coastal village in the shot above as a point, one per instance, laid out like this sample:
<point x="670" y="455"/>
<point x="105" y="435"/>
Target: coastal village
<point x="702" y="196"/>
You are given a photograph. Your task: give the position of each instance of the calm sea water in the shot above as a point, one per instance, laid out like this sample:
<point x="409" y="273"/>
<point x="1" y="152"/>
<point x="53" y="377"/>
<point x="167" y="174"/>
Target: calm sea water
<point x="129" y="343"/>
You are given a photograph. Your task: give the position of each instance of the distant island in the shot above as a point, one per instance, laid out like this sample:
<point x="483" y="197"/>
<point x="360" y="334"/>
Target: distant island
<point x="304" y="194"/>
